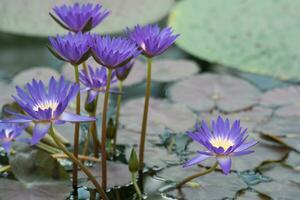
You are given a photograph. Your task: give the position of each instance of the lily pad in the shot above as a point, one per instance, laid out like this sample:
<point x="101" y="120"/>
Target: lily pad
<point x="114" y="170"/>
<point x="33" y="19"/>
<point x="40" y="175"/>
<point x="247" y="195"/>
<point x="283" y="130"/>
<point x="277" y="98"/>
<point x="208" y="91"/>
<point x="212" y="186"/>
<point x="10" y="189"/>
<point x="39" y="73"/>
<point x="279" y="190"/>
<point x="162" y="115"/>
<point x="6" y="91"/>
<point x="33" y="166"/>
<point x="248" y="35"/>
<point x="156" y="156"/>
<point x="249" y="119"/>
<point x="173" y="70"/>
<point x="293" y="160"/>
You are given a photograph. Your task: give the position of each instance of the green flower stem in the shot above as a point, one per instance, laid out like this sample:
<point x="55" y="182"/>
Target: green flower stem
<point x="47" y="148"/>
<point x="145" y="117"/>
<point x="86" y="145"/>
<point x="136" y="187"/>
<point x="84" y="66"/>
<point x="103" y="134"/>
<point x="75" y="160"/>
<point x="188" y="179"/>
<point x="5" y="168"/>
<point x="76" y="132"/>
<point x="118" y="115"/>
<point x="93" y="130"/>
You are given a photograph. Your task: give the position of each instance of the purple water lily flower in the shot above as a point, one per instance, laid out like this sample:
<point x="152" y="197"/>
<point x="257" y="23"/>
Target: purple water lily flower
<point x="222" y="142"/>
<point x="123" y="72"/>
<point x="113" y="52"/>
<point x="79" y="18"/>
<point x="95" y="81"/>
<point x="151" y="39"/>
<point x="45" y="107"/>
<point x="73" y="47"/>
<point x="10" y="132"/>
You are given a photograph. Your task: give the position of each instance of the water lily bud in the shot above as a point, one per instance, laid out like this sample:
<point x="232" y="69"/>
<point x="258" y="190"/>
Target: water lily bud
<point x="111" y="129"/>
<point x="133" y="164"/>
<point x="90" y="106"/>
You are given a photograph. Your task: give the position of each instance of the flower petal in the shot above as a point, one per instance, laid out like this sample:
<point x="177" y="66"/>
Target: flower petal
<point x="196" y="160"/>
<point x="6" y="145"/>
<point x="69" y="117"/>
<point x="225" y="163"/>
<point x="246" y="146"/>
<point x="241" y="153"/>
<point x="39" y="131"/>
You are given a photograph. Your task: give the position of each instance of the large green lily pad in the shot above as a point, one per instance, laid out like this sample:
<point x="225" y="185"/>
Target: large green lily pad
<point x="208" y="91"/>
<point x="254" y="36"/>
<point x="33" y="19"/>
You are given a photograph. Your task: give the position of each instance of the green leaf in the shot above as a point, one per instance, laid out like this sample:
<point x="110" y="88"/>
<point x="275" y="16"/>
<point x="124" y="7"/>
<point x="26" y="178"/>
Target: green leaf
<point x="33" y="18"/>
<point x="253" y="35"/>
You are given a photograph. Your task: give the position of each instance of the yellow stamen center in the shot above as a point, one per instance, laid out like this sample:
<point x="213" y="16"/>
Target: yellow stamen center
<point x="221" y="142"/>
<point x="46" y="105"/>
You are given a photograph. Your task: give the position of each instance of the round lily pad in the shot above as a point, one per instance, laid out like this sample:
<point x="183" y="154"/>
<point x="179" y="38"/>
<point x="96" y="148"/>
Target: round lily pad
<point x="173" y="70"/>
<point x="211" y="186"/>
<point x="293" y="160"/>
<point x="283" y="130"/>
<point x="6" y="91"/>
<point x="11" y="189"/>
<point x="285" y="107"/>
<point x="162" y="115"/>
<point x="155" y="156"/>
<point x="114" y="170"/>
<point x="208" y="91"/>
<point x="38" y="73"/>
<point x="33" y="19"/>
<point x="251" y="36"/>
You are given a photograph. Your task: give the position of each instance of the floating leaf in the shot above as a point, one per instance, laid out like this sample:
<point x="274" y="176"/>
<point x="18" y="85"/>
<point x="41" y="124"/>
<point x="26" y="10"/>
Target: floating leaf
<point x="285" y="106"/>
<point x="211" y="186"/>
<point x="293" y="160"/>
<point x="280" y="173"/>
<point x="283" y="130"/>
<point x="33" y="166"/>
<point x="162" y="115"/>
<point x="249" y="119"/>
<point x="33" y="19"/>
<point x="6" y="91"/>
<point x="117" y="174"/>
<point x="38" y="73"/>
<point x="248" y="35"/>
<point x="173" y="70"/>
<point x="41" y="177"/>
<point x="207" y="91"/>
<point x="10" y="189"/>
<point x="155" y="156"/>
<point x="247" y="195"/>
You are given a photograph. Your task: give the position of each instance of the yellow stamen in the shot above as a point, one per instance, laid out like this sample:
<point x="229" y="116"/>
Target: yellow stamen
<point x="221" y="142"/>
<point x="46" y="105"/>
